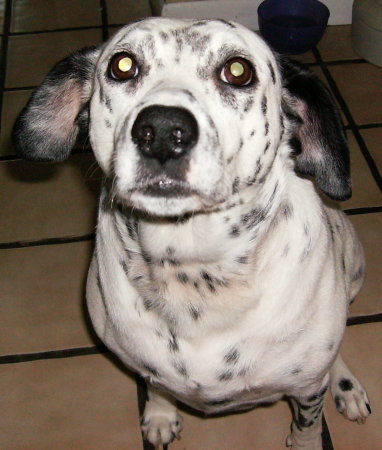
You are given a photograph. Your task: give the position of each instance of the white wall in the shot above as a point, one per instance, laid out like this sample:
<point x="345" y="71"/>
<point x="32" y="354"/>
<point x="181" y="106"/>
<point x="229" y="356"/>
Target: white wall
<point x="245" y="11"/>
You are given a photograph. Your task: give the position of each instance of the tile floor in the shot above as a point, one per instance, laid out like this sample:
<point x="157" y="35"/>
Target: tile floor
<point x="59" y="389"/>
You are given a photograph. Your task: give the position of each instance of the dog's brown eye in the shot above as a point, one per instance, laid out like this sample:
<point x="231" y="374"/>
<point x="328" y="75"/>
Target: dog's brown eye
<point x="237" y="71"/>
<point x="123" y="67"/>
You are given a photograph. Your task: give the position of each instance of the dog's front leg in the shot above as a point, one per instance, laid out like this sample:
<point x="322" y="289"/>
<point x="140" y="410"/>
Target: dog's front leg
<point x="161" y="423"/>
<point x="307" y="421"/>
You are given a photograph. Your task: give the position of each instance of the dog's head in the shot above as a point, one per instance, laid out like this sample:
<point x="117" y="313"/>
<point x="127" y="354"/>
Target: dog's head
<point x="182" y="115"/>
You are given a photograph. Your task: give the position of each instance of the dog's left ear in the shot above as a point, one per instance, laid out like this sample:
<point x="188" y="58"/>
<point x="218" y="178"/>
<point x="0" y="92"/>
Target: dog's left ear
<point x="48" y="126"/>
<point x="323" y="152"/>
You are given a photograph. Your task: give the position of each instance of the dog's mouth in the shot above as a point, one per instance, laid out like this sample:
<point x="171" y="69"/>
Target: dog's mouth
<point x="164" y="186"/>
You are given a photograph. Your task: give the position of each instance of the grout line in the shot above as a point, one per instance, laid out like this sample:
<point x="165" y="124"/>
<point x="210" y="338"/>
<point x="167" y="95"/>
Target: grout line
<point x="326" y="438"/>
<point x="4" y="51"/>
<point x="366" y="210"/>
<point x="56" y="30"/>
<point x="367" y="126"/>
<point x="344" y="62"/>
<point x="47" y="241"/>
<point x="23" y="88"/>
<point x="361" y="320"/>
<point x="353" y="126"/>
<point x="105" y="20"/>
<point x="53" y="354"/>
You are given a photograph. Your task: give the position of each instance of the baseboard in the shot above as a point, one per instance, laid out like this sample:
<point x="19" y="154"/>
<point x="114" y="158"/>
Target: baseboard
<point x="242" y="11"/>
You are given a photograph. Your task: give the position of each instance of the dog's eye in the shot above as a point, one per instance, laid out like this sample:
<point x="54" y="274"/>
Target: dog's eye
<point x="237" y="71"/>
<point x="123" y="67"/>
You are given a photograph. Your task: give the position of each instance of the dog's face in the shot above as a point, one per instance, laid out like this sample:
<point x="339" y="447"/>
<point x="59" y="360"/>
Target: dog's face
<point x="182" y="112"/>
<point x="183" y="115"/>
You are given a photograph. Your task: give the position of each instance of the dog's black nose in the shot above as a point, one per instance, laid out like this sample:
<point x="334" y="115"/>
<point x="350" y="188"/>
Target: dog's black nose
<point x="164" y="132"/>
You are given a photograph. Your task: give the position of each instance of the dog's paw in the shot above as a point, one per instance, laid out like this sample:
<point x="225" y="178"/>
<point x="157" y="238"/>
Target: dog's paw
<point x="351" y="399"/>
<point x="161" y="428"/>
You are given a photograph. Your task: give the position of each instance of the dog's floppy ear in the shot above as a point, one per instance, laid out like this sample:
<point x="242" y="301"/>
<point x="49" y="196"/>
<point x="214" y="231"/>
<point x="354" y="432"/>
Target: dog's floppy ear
<point x="323" y="152"/>
<point x="48" y="126"/>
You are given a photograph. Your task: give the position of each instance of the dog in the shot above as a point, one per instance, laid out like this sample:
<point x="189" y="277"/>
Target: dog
<point x="222" y="271"/>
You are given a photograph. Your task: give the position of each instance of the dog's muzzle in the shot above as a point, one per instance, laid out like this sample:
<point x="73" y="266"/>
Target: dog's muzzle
<point x="164" y="132"/>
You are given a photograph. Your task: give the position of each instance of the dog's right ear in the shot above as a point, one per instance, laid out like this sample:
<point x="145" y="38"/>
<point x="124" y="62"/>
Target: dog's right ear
<point x="48" y="126"/>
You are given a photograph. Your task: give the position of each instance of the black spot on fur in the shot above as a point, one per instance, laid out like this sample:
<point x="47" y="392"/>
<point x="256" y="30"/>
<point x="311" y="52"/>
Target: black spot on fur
<point x="173" y="262"/>
<point x="124" y="267"/>
<point x="234" y="231"/>
<point x="296" y="371"/>
<point x="209" y="281"/>
<point x="273" y="75"/>
<point x="149" y="304"/>
<point x="266" y="127"/>
<point x="180" y="368"/>
<point x="150" y="369"/>
<point x="264" y="105"/>
<point x="248" y="104"/>
<point x="195" y="312"/>
<point x="225" y="376"/>
<point x="107" y="123"/>
<point x="170" y="251"/>
<point x="173" y="342"/>
<point x="268" y="144"/>
<point x="147" y="258"/>
<point x="253" y="217"/>
<point x="182" y="277"/>
<point x="163" y="36"/>
<point x="108" y="104"/>
<point x="287" y="211"/>
<point x="235" y="185"/>
<point x="358" y="275"/>
<point x="232" y="356"/>
<point x="242" y="259"/>
<point x="346" y="385"/>
<point x="343" y="263"/>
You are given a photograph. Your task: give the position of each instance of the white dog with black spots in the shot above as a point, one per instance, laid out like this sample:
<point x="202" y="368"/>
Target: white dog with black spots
<point x="221" y="273"/>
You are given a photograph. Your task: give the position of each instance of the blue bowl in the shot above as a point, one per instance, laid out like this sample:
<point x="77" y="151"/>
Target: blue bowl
<point x="292" y="26"/>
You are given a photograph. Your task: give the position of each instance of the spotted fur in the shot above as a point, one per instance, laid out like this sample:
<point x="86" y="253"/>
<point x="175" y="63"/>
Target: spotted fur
<point x="222" y="276"/>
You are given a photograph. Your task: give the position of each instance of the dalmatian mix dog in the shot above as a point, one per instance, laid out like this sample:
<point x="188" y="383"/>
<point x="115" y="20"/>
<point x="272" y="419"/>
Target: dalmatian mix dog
<point x="221" y="272"/>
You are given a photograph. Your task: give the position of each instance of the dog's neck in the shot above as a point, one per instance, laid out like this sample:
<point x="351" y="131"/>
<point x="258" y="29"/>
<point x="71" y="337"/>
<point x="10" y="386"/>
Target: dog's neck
<point x="226" y="235"/>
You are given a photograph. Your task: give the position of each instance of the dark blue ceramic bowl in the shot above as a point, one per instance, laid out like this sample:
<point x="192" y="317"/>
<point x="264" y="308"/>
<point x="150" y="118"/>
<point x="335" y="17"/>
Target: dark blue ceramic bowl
<point x="292" y="26"/>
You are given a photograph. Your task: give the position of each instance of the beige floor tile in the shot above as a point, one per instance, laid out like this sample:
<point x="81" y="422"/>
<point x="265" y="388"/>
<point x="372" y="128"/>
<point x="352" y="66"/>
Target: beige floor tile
<point x="13" y="102"/>
<point x="31" y="57"/>
<point x="336" y="44"/>
<point x="305" y="58"/>
<point x="40" y="15"/>
<point x="125" y="11"/>
<point x="263" y="428"/>
<point x="365" y="189"/>
<point x="42" y="297"/>
<point x="360" y="86"/>
<point x="77" y="403"/>
<point x="373" y="139"/>
<point x="362" y="351"/>
<point x="369" y="300"/>
<point x="48" y="200"/>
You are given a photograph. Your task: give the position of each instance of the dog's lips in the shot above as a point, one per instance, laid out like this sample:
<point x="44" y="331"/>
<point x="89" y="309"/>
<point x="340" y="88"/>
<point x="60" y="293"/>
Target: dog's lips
<point x="163" y="186"/>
